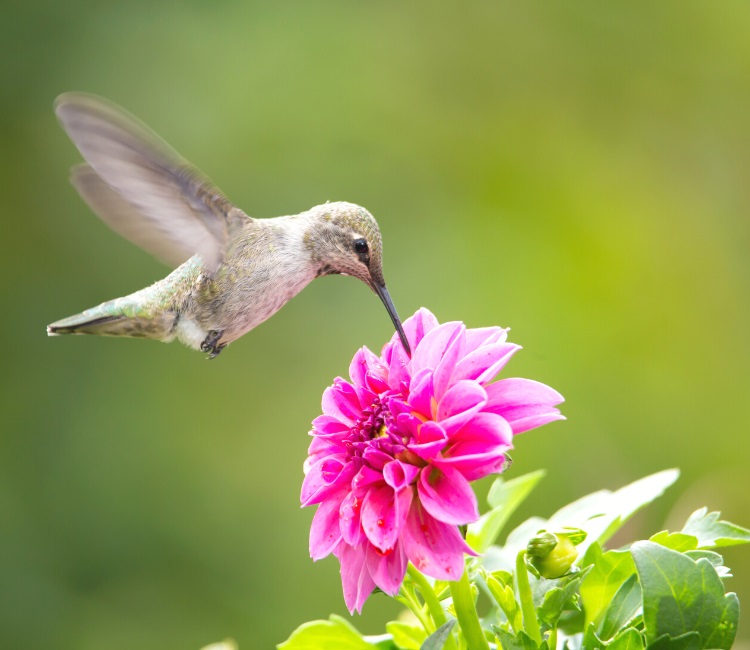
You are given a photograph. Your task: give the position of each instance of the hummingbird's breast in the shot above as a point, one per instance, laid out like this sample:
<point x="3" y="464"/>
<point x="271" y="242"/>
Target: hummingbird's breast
<point x="266" y="266"/>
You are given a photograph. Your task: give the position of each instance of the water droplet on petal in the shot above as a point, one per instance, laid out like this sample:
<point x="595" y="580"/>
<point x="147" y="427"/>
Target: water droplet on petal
<point x="381" y="522"/>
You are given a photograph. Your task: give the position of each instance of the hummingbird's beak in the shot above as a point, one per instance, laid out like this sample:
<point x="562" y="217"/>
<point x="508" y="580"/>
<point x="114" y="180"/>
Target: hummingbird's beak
<point x="386" y="298"/>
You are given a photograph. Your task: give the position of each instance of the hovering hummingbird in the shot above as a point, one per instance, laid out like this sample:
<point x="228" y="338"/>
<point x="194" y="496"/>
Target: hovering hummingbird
<point x="233" y="272"/>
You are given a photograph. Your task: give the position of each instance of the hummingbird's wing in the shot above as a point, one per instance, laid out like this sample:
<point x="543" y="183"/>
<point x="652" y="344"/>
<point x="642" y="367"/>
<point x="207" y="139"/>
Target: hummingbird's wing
<point x="125" y="219"/>
<point x="141" y="187"/>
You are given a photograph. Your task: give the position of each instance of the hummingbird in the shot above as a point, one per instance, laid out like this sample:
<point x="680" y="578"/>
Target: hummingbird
<point x="231" y="271"/>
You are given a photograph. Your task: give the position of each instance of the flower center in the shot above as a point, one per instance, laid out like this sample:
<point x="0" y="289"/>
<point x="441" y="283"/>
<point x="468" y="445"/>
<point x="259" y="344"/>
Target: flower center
<point x="373" y="430"/>
<point x="371" y="423"/>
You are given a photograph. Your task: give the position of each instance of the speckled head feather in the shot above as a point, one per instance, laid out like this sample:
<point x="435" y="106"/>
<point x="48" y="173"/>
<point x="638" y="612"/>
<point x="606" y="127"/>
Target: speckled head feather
<point x="331" y="238"/>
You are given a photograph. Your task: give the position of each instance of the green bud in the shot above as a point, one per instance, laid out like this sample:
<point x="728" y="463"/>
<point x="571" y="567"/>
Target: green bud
<point x="552" y="555"/>
<point x="541" y="546"/>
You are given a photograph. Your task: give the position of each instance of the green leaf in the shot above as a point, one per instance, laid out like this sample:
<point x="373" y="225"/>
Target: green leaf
<point x="504" y="497"/>
<point x="505" y="577"/>
<point x="633" y="497"/>
<point x="629" y="639"/>
<point x="407" y="637"/>
<point x="610" y="570"/>
<point x="506" y="599"/>
<point x="226" y="644"/>
<point x="682" y="596"/>
<point x="590" y="639"/>
<point x="687" y="641"/>
<point x="602" y="513"/>
<point x="714" y="558"/>
<point x="559" y="598"/>
<point x="436" y="640"/>
<point x="521" y="641"/>
<point x="711" y="532"/>
<point x="333" y="634"/>
<point x="624" y="606"/>
<point x="676" y="541"/>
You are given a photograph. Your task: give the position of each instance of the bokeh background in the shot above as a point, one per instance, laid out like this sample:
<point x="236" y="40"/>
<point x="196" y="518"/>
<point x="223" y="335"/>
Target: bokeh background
<point x="577" y="171"/>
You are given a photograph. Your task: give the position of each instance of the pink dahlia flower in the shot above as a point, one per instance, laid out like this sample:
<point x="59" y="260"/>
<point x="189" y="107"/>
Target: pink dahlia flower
<point x="394" y="452"/>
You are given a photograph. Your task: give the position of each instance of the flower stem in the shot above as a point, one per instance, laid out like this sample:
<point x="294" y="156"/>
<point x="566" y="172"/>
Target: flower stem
<point x="530" y="621"/>
<point x="466" y="612"/>
<point x="552" y="639"/>
<point x="428" y="593"/>
<point x="407" y="597"/>
<point x="431" y="600"/>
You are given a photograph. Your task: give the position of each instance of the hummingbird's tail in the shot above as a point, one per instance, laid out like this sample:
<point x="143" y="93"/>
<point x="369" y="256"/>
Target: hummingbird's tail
<point x="85" y="323"/>
<point x="117" y="318"/>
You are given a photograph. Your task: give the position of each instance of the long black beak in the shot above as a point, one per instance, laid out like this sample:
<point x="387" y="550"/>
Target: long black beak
<point x="386" y="298"/>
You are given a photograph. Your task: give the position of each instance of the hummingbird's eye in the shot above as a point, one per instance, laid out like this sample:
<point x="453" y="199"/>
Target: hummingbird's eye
<point x="360" y="246"/>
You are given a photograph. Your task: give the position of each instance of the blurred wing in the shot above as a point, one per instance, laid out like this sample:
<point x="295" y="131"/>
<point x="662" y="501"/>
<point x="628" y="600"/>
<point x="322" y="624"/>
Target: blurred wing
<point x="125" y="219"/>
<point x="141" y="187"/>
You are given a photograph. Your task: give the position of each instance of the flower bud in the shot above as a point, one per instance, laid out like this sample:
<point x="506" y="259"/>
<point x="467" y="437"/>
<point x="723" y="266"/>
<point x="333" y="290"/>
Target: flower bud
<point x="552" y="554"/>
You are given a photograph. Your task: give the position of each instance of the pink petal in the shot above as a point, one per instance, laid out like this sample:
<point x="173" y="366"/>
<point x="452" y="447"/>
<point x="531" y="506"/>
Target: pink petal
<point x="383" y="514"/>
<point x="430" y="440"/>
<point x="387" y="568"/>
<point x="478" y="449"/>
<point x="485" y="362"/>
<point x="459" y="404"/>
<point x="366" y="477"/>
<point x="377" y="381"/>
<point x="484" y="431"/>
<point x="325" y="533"/>
<point x="407" y="425"/>
<point x="515" y="392"/>
<point x="445" y="368"/>
<point x="376" y="458"/>
<point x="446" y="495"/>
<point x="328" y="425"/>
<point x="421" y="393"/>
<point x="400" y="475"/>
<point x="319" y="448"/>
<point x="398" y="367"/>
<point x="524" y="403"/>
<point x="341" y="401"/>
<point x="431" y="349"/>
<point x="532" y="421"/>
<point x="435" y="548"/>
<point x="417" y="327"/>
<point x="479" y="465"/>
<point x="349" y="519"/>
<point x="396" y="405"/>
<point x="325" y="477"/>
<point x="355" y="576"/>
<point x="358" y="367"/>
<point x="364" y="370"/>
<point x="379" y="517"/>
<point x="478" y="336"/>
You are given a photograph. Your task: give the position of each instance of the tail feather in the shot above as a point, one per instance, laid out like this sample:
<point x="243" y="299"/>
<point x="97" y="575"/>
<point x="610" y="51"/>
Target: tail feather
<point x="109" y="319"/>
<point x="82" y="324"/>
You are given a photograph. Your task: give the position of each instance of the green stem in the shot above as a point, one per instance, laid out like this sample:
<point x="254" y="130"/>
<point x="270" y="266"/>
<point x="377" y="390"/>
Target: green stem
<point x="530" y="621"/>
<point x="552" y="638"/>
<point x="431" y="600"/>
<point x="466" y="613"/>
<point x="410" y="601"/>
<point x="428" y="593"/>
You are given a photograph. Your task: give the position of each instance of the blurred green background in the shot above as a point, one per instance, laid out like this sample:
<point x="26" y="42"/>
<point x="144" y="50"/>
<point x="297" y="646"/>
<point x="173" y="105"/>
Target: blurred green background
<point x="577" y="171"/>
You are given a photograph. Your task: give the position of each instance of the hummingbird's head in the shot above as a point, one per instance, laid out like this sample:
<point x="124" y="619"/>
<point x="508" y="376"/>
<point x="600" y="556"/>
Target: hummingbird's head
<point x="345" y="239"/>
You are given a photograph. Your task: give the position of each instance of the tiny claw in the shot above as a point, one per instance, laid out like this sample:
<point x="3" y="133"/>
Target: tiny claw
<point x="211" y="343"/>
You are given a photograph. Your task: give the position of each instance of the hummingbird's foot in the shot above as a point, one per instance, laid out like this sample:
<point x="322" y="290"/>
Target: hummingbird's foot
<point x="211" y="343"/>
